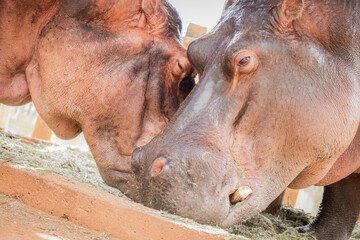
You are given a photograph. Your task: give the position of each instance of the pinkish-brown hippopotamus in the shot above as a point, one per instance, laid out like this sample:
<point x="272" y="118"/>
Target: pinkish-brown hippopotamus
<point x="277" y="105"/>
<point x="115" y="70"/>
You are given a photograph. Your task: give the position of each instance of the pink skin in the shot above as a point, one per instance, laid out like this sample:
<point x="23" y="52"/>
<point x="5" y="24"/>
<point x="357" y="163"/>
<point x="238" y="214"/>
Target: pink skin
<point x="115" y="70"/>
<point x="277" y="105"/>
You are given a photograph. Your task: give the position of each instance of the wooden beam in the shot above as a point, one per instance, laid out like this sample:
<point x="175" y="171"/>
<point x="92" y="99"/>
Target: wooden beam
<point x="4" y="113"/>
<point x="41" y="131"/>
<point x="290" y="197"/>
<point x="98" y="210"/>
<point x="193" y="32"/>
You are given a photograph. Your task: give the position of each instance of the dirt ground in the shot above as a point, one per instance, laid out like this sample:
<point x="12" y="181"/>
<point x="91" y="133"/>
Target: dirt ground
<point x="21" y="222"/>
<point x="45" y="158"/>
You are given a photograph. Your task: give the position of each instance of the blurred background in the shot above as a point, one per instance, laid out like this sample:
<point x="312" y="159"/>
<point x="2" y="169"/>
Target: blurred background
<point x="197" y="20"/>
<point x="201" y="12"/>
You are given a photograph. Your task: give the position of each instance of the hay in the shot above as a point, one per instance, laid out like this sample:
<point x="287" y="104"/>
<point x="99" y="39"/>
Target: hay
<point x="45" y="158"/>
<point x="281" y="225"/>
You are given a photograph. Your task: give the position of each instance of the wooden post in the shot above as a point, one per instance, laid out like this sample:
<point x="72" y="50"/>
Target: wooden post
<point x="290" y="197"/>
<point x="41" y="131"/>
<point x="193" y="32"/>
<point x="4" y="113"/>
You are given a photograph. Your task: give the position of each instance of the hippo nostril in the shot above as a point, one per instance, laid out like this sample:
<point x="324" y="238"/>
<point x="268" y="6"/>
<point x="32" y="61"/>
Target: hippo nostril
<point x="137" y="154"/>
<point x="157" y="166"/>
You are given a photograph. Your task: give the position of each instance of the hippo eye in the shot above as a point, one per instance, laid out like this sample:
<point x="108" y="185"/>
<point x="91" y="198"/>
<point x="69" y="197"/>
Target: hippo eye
<point x="178" y="69"/>
<point x="245" y="61"/>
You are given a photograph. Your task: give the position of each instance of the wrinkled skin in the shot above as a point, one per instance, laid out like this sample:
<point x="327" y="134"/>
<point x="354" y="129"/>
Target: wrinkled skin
<point x="277" y="105"/>
<point x="115" y="70"/>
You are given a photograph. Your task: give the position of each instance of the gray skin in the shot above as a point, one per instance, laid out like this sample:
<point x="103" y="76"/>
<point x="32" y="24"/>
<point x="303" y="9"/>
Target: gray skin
<point x="277" y="105"/>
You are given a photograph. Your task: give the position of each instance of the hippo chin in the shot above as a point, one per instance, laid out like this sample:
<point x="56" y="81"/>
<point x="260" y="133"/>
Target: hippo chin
<point x="277" y="105"/>
<point x="115" y="70"/>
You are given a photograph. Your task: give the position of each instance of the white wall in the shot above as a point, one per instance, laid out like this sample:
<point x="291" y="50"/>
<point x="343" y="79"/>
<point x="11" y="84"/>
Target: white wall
<point x="21" y="120"/>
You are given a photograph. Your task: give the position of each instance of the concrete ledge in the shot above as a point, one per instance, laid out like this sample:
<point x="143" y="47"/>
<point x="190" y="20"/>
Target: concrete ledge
<point x="95" y="209"/>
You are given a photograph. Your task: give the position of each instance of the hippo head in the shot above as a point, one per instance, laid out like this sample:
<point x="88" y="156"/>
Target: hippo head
<point x="273" y="107"/>
<point x="115" y="70"/>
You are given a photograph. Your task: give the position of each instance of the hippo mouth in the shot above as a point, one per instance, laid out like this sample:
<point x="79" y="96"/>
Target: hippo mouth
<point x="244" y="200"/>
<point x="240" y="194"/>
<point x="249" y="198"/>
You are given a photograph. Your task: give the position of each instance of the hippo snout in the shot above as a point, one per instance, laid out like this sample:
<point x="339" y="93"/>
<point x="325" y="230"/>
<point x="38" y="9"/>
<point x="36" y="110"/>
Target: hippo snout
<point x="188" y="186"/>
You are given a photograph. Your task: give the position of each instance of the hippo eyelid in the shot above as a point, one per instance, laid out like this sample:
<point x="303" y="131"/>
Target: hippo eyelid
<point x="180" y="67"/>
<point x="245" y="61"/>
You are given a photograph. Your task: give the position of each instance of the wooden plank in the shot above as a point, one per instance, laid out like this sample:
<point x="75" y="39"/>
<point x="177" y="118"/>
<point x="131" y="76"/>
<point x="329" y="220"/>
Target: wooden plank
<point x="4" y="113"/>
<point x="97" y="210"/>
<point x="41" y="131"/>
<point x="290" y="197"/>
<point x="187" y="42"/>
<point x="195" y="31"/>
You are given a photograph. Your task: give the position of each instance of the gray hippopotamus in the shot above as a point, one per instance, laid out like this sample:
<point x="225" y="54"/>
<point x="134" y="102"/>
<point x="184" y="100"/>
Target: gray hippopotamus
<point x="277" y="105"/>
<point x="115" y="70"/>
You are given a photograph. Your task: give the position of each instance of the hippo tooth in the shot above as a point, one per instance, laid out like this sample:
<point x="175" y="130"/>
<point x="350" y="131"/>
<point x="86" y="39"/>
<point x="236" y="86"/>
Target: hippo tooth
<point x="240" y="194"/>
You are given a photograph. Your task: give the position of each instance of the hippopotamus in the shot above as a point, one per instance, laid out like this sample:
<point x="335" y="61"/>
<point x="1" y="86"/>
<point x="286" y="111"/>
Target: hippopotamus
<point x="114" y="70"/>
<point x="277" y="106"/>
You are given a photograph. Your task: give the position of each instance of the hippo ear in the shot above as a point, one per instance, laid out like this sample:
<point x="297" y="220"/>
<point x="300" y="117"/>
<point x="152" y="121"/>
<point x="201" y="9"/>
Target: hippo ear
<point x="290" y="10"/>
<point x="228" y="3"/>
<point x="157" y="167"/>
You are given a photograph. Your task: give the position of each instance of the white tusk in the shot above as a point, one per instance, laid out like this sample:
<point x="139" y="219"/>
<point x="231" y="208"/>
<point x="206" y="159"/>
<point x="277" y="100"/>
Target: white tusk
<point x="240" y="194"/>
